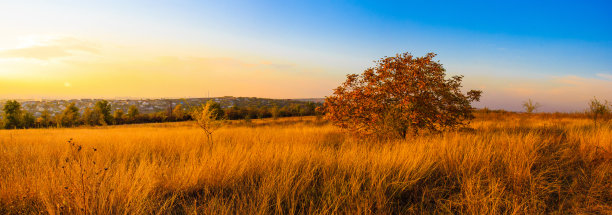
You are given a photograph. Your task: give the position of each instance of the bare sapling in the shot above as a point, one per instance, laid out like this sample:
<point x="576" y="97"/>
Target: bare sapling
<point x="530" y="106"/>
<point x="598" y="110"/>
<point x="208" y="119"/>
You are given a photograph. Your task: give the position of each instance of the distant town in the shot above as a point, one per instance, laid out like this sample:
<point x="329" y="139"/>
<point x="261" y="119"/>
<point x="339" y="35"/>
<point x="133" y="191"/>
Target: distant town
<point x="146" y="106"/>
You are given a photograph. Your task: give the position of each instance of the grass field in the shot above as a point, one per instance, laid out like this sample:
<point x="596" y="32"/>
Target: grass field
<point x="509" y="164"/>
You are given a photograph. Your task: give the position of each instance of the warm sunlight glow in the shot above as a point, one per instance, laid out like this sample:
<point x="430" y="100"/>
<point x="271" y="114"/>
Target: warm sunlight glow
<point x="190" y="49"/>
<point x="305" y="107"/>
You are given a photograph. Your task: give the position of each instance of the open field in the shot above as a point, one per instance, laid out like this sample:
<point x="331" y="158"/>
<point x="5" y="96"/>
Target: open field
<point x="510" y="164"/>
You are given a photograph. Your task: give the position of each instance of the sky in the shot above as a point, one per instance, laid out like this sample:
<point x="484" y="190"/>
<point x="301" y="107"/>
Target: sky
<point x="557" y="53"/>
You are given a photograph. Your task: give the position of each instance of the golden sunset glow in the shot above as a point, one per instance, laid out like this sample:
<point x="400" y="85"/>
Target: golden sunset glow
<point x="187" y="49"/>
<point x="70" y="67"/>
<point x="305" y="107"/>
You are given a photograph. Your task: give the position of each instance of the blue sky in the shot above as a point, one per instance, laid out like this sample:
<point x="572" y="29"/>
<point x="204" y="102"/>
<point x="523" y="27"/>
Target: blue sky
<point x="555" y="52"/>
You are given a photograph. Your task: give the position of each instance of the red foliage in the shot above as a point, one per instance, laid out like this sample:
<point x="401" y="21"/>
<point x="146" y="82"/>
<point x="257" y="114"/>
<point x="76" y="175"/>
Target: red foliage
<point x="399" y="95"/>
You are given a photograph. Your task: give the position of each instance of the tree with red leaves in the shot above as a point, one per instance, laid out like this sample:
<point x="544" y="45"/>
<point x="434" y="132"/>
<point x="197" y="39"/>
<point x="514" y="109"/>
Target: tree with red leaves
<point x="400" y="96"/>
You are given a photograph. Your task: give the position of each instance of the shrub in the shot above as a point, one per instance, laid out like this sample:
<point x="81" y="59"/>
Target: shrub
<point x="531" y="107"/>
<point x="598" y="110"/>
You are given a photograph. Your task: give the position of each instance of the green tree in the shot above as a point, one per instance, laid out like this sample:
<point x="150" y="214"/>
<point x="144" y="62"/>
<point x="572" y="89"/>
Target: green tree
<point x="45" y="119"/>
<point x="132" y="113"/>
<point x="102" y="110"/>
<point x="275" y="112"/>
<point x="252" y="112"/>
<point x="308" y="109"/>
<point x="70" y="116"/>
<point x="29" y="121"/>
<point x="118" y="117"/>
<point x="88" y="117"/>
<point x="233" y="113"/>
<point x="401" y="94"/>
<point x="215" y="109"/>
<point x="296" y="109"/>
<point x="160" y="116"/>
<point x="178" y="112"/>
<point x="264" y="112"/>
<point x="12" y="114"/>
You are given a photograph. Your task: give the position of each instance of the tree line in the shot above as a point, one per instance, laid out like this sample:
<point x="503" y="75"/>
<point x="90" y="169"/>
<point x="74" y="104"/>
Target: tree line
<point x="102" y="113"/>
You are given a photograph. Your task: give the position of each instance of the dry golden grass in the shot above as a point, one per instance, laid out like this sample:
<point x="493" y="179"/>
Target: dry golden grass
<point x="510" y="164"/>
